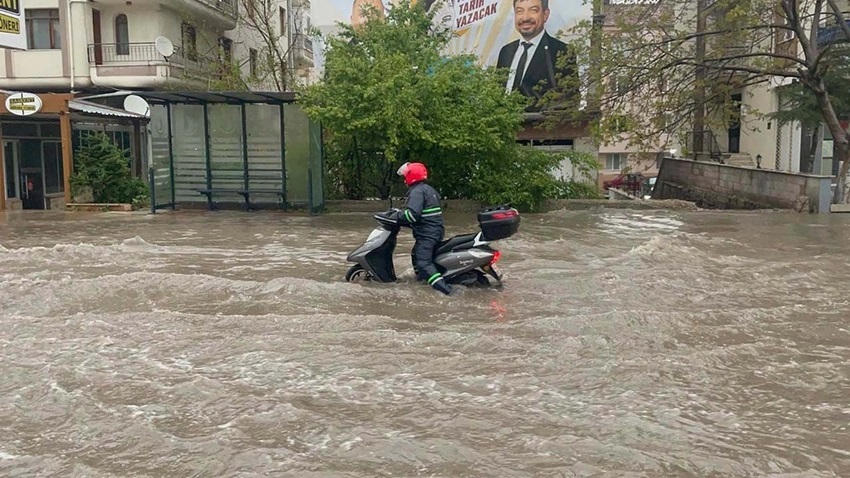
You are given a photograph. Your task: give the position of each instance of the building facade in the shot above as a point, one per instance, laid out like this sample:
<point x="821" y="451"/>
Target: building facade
<point x="84" y="48"/>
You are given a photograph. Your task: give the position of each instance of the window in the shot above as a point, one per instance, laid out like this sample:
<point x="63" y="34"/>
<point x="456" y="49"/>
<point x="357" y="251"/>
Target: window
<point x="43" y="31"/>
<point x="614" y="161"/>
<point x="122" y="35"/>
<point x="53" y="177"/>
<point x="252" y="9"/>
<point x="226" y="45"/>
<point x="225" y="57"/>
<point x="252" y="60"/>
<point x="283" y="21"/>
<point x="190" y="42"/>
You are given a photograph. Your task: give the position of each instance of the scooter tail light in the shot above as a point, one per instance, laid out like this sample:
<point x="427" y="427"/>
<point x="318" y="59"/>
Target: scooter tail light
<point x="504" y="215"/>
<point x="496" y="256"/>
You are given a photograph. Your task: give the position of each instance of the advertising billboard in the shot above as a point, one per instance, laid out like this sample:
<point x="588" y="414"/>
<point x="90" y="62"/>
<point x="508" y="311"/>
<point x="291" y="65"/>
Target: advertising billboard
<point x="522" y="35"/>
<point x="13" y="32"/>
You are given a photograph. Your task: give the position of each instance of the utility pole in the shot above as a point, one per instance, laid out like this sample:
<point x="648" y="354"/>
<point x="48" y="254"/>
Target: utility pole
<point x="699" y="91"/>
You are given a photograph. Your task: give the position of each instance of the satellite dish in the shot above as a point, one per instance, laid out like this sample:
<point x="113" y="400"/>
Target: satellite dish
<point x="164" y="46"/>
<point x="138" y="105"/>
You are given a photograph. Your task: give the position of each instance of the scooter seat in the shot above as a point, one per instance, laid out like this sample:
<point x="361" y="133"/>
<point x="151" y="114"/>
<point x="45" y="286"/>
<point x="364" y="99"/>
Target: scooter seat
<point x="448" y="245"/>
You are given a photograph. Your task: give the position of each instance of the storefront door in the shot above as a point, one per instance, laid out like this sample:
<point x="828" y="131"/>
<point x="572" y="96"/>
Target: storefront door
<point x="32" y="188"/>
<point x="31" y="174"/>
<point x="10" y="165"/>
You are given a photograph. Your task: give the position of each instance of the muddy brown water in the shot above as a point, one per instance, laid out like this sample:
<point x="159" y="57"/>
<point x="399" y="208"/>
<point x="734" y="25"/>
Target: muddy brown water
<point x="624" y="344"/>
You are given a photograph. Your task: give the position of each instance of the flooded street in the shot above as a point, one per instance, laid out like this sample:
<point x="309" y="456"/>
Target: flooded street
<point x="226" y="344"/>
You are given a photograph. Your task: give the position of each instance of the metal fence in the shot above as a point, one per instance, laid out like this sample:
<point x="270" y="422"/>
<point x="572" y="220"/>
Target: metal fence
<point x="112" y="53"/>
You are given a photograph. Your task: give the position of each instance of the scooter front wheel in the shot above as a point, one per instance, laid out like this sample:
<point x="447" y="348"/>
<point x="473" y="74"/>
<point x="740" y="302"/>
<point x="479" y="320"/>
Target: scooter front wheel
<point x="357" y="272"/>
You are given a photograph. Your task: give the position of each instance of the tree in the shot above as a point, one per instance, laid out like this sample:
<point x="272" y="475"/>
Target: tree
<point x="799" y="104"/>
<point x="677" y="64"/>
<point x="276" y="34"/>
<point x="102" y="170"/>
<point x="390" y="96"/>
<point x="260" y="53"/>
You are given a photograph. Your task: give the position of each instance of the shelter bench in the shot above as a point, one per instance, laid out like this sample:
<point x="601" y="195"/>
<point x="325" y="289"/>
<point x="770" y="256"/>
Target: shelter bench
<point x="245" y="193"/>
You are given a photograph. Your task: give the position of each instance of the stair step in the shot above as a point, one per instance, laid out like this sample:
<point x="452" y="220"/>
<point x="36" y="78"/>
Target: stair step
<point x="739" y="159"/>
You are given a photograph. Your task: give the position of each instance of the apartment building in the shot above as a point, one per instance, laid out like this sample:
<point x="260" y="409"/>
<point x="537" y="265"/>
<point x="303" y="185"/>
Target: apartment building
<point x="81" y="48"/>
<point x="77" y="45"/>
<point x="272" y="43"/>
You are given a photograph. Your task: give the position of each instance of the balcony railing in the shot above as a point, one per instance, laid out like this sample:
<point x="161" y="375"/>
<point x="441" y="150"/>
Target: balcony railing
<point x="229" y="7"/>
<point x="307" y="45"/>
<point x="123" y="53"/>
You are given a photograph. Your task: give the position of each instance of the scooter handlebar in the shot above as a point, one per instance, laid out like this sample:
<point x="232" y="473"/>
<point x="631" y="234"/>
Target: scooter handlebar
<point x="388" y="217"/>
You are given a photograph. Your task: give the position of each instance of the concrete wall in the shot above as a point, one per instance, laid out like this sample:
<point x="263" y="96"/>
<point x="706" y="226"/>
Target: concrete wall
<point x="714" y="185"/>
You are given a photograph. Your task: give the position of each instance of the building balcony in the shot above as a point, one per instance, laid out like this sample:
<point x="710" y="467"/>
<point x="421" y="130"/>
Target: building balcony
<point x="217" y="14"/>
<point x="118" y="54"/>
<point x="303" y="51"/>
<point x="224" y="14"/>
<point x="130" y="65"/>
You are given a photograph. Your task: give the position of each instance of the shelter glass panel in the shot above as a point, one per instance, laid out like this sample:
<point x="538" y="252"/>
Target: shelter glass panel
<point x="297" y="127"/>
<point x="189" y="151"/>
<point x="226" y="146"/>
<point x="160" y="158"/>
<point x="265" y="161"/>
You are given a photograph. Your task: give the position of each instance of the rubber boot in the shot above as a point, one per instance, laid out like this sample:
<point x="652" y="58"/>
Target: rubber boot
<point x="442" y="286"/>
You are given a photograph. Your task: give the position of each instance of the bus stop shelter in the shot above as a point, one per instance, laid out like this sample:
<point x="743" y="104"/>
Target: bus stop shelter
<point x="231" y="148"/>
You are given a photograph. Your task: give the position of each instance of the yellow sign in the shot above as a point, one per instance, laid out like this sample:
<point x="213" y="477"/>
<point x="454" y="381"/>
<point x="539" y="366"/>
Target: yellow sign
<point x="9" y="24"/>
<point x="13" y="30"/>
<point x="23" y="104"/>
<point x="11" y="6"/>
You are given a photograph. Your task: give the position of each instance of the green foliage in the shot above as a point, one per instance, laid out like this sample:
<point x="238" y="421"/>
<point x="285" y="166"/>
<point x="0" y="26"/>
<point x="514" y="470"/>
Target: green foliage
<point x="801" y="104"/>
<point x="390" y="96"/>
<point x="387" y="86"/>
<point x="104" y="168"/>
<point x="525" y="178"/>
<point x="227" y="76"/>
<point x="354" y="173"/>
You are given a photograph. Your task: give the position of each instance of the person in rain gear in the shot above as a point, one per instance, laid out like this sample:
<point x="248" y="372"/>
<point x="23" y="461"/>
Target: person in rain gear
<point x="422" y="213"/>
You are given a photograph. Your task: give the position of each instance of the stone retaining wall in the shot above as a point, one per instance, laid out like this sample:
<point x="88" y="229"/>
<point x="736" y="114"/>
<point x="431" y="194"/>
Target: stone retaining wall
<point x="719" y="186"/>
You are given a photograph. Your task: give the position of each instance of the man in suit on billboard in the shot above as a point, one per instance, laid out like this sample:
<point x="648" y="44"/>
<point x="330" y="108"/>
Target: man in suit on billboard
<point x="533" y="59"/>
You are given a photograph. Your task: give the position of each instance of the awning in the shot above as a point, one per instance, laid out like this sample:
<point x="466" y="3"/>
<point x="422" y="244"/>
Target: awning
<point x="210" y="97"/>
<point x="88" y="107"/>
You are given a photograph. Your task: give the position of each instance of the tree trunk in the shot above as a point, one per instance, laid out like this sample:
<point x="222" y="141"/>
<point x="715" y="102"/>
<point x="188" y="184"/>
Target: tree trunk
<point x="841" y="139"/>
<point x="596" y="48"/>
<point x="699" y="93"/>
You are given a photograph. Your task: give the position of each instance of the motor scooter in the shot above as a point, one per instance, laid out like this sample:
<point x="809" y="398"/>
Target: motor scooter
<point x="466" y="259"/>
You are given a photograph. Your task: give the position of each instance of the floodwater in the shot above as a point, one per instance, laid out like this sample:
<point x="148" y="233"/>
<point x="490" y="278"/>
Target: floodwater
<point x="226" y="344"/>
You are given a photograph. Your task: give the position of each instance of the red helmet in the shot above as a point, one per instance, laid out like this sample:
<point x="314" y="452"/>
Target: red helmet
<point x="413" y="173"/>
